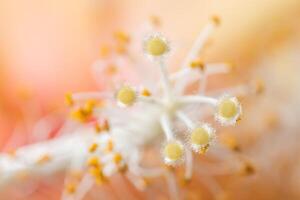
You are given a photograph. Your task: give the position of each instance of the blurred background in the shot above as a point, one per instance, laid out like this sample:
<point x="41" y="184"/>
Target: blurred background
<point x="48" y="47"/>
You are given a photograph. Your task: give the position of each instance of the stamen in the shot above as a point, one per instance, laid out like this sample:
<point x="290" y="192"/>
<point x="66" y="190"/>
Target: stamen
<point x="166" y="126"/>
<point x="218" y="68"/>
<point x="200" y="41"/>
<point x="189" y="166"/>
<point x="165" y="79"/>
<point x="198" y="99"/>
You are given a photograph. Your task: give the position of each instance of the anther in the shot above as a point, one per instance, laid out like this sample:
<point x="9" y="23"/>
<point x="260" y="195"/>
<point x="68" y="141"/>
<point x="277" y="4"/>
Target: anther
<point x="117" y="158"/>
<point x="71" y="188"/>
<point x="197" y="64"/>
<point x="216" y="20"/>
<point x="94" y="162"/>
<point x="145" y="92"/>
<point x="93" y="148"/>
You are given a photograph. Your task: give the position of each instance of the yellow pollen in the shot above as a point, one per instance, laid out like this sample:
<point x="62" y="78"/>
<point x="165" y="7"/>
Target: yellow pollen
<point x="173" y="151"/>
<point x="216" y="20"/>
<point x="89" y="106"/>
<point x="80" y="115"/>
<point x="93" y="148"/>
<point x="71" y="188"/>
<point x="156" y="46"/>
<point x="117" y="158"/>
<point x="200" y="136"/>
<point x="97" y="173"/>
<point x="126" y="96"/>
<point x="228" y="109"/>
<point x="94" y="162"/>
<point x="197" y="64"/>
<point x="146" y="92"/>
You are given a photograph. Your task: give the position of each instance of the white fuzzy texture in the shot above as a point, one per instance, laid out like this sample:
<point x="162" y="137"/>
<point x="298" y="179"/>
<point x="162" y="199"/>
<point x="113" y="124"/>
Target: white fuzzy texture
<point x="150" y="121"/>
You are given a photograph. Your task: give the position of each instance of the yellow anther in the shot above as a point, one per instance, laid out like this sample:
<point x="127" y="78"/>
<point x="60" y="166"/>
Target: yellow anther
<point x="197" y="64"/>
<point x="110" y="146"/>
<point x="204" y="149"/>
<point x="146" y="92"/>
<point x="71" y="188"/>
<point x="117" y="158"/>
<point x="80" y="115"/>
<point x="122" y="37"/>
<point x="69" y="100"/>
<point x="126" y="96"/>
<point x="43" y="159"/>
<point x="173" y="151"/>
<point x="216" y="20"/>
<point x="156" y="46"/>
<point x="94" y="162"/>
<point x="228" y="109"/>
<point x="93" y="148"/>
<point x="97" y="173"/>
<point x="200" y="136"/>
